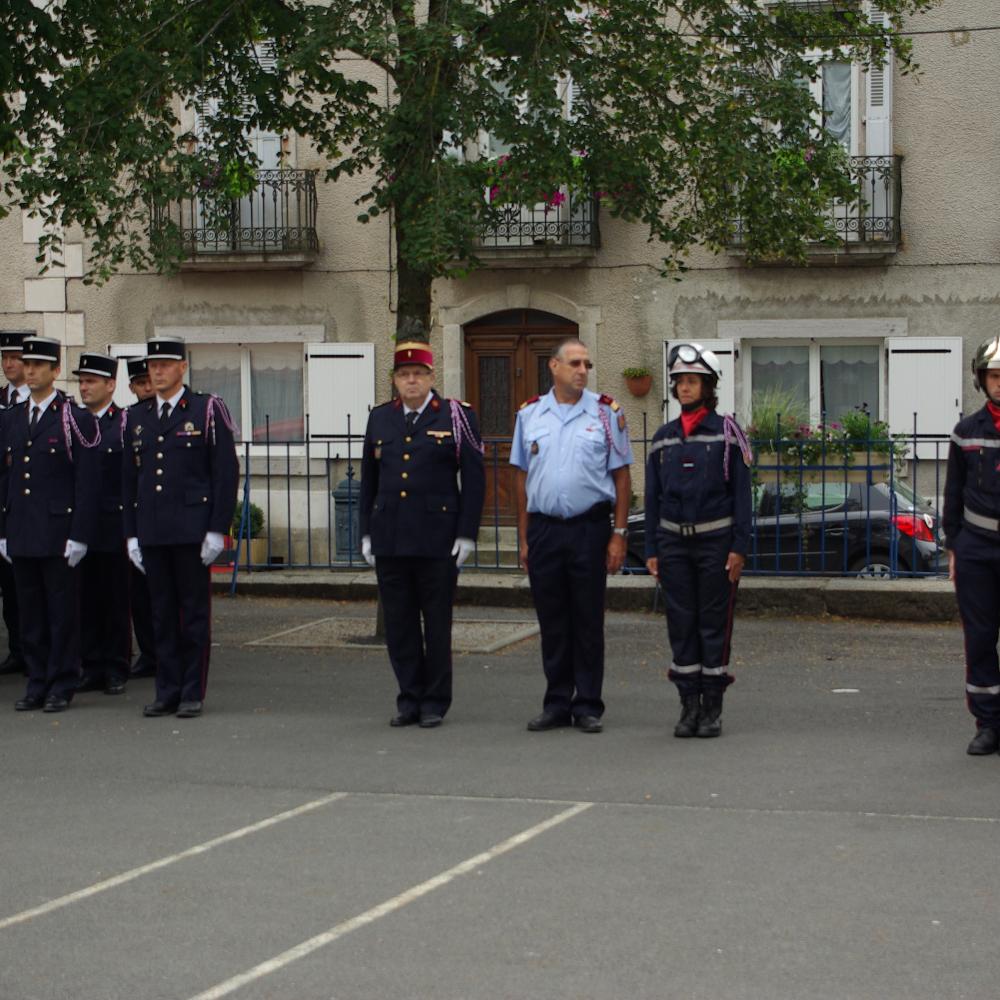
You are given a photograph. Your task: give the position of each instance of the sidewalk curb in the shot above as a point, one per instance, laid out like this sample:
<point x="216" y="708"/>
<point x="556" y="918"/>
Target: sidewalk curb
<point x="922" y="600"/>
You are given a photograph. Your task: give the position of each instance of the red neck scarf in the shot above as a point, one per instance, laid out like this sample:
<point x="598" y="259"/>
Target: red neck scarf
<point x="691" y="419"/>
<point x="995" y="414"/>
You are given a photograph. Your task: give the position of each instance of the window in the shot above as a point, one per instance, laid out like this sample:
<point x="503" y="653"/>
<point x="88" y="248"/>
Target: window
<point x="262" y="384"/>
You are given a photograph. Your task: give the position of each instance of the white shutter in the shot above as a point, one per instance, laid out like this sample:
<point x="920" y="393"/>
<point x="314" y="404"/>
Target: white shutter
<point x="878" y="104"/>
<point x="925" y="382"/>
<point x="123" y="394"/>
<point x="725" y="350"/>
<point x="340" y="380"/>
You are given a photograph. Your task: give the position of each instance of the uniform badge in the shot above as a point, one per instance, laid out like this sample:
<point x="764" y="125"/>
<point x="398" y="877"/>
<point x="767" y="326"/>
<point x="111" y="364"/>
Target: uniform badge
<point x="189" y="427"/>
<point x="621" y="421"/>
<point x="137" y="430"/>
<point x="534" y="447"/>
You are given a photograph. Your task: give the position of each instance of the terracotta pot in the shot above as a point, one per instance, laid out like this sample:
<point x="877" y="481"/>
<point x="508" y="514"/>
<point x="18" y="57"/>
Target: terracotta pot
<point x="639" y="385"/>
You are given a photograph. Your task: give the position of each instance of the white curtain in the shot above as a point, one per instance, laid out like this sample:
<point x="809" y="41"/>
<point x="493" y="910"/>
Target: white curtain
<point x="276" y="392"/>
<point x="837" y="101"/>
<point x="849" y="379"/>
<point x="216" y="368"/>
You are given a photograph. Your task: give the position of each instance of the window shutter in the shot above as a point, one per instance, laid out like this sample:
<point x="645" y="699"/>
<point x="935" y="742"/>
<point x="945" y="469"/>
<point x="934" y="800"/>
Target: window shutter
<point x="725" y="350"/>
<point x="340" y="380"/>
<point x="925" y="383"/>
<point x="878" y="105"/>
<point x="123" y="394"/>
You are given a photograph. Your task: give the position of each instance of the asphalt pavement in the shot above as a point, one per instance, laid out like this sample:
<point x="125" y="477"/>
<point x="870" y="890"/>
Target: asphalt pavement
<point x="836" y="842"/>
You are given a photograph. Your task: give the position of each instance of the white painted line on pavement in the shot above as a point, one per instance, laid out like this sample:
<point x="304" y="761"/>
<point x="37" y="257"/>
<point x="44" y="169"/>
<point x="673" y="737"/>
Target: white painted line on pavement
<point x="386" y="908"/>
<point x="287" y="631"/>
<point x="111" y="883"/>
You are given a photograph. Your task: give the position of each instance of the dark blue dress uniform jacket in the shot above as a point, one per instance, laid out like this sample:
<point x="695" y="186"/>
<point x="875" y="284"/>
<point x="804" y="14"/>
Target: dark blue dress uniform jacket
<point x="417" y="496"/>
<point x="51" y="492"/>
<point x="179" y="477"/>
<point x="111" y="525"/>
<point x="685" y="481"/>
<point x="973" y="475"/>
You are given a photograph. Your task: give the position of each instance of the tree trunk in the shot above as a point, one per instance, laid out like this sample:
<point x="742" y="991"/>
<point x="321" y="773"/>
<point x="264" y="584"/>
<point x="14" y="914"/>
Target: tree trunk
<point x="413" y="313"/>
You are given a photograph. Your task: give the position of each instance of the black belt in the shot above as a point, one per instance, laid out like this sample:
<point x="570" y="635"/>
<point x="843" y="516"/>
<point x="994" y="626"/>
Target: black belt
<point x="600" y="511"/>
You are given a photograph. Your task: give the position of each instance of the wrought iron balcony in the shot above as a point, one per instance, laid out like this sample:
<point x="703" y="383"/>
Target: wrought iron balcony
<point x="867" y="224"/>
<point x="563" y="227"/>
<point x="272" y="227"/>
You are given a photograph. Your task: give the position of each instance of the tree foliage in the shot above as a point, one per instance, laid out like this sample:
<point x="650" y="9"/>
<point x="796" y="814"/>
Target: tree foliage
<point x="687" y="114"/>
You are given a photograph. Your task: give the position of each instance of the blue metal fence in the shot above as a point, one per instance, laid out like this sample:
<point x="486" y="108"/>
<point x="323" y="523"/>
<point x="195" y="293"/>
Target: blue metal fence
<point x="817" y="511"/>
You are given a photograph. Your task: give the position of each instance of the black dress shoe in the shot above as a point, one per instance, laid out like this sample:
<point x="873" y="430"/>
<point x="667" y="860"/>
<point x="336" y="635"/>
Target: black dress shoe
<point x="404" y="719"/>
<point x="28" y="704"/>
<point x="115" y="687"/>
<point x="189" y="709"/>
<point x="986" y="741"/>
<point x="88" y="682"/>
<point x="14" y="664"/>
<point x="588" y="724"/>
<point x="431" y="721"/>
<point x="55" y="704"/>
<point x="157" y="708"/>
<point x="548" y="720"/>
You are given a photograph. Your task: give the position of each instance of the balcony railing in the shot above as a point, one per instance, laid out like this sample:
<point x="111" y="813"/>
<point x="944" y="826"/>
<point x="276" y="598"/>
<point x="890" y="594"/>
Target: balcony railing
<point x="572" y="222"/>
<point x="870" y="219"/>
<point x="276" y="221"/>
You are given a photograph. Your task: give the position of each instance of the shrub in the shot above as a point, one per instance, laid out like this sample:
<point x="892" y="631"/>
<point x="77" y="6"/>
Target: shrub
<point x="255" y="521"/>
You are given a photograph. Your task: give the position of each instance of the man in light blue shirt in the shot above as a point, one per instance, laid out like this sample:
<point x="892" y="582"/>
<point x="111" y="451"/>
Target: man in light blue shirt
<point x="572" y="453"/>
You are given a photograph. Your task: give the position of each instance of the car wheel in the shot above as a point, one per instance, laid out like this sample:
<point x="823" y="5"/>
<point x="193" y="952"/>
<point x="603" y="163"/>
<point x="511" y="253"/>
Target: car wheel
<point x="874" y="566"/>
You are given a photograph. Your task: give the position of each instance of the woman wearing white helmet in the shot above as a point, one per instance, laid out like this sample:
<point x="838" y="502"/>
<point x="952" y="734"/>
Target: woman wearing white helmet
<point x="697" y="534"/>
<point x="971" y="523"/>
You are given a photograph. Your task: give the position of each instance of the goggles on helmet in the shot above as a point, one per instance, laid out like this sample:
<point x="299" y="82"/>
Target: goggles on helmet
<point x="693" y="358"/>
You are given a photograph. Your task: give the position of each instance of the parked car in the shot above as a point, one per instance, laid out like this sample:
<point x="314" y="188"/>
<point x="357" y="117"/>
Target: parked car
<point x="833" y="529"/>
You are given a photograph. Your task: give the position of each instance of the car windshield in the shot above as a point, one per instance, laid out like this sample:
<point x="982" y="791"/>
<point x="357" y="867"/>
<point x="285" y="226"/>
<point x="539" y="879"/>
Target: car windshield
<point x="804" y="498"/>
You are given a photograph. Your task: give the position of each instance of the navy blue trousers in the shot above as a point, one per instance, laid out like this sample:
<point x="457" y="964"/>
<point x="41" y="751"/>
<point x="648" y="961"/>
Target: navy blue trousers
<point x="977" y="587"/>
<point x="105" y="636"/>
<point x="10" y="612"/>
<point x="48" y="599"/>
<point x="567" y="569"/>
<point x="417" y="598"/>
<point x="699" y="602"/>
<point x="181" y="596"/>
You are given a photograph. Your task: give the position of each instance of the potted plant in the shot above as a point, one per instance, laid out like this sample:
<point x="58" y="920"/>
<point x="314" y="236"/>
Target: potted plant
<point x="254" y="551"/>
<point x="638" y="381"/>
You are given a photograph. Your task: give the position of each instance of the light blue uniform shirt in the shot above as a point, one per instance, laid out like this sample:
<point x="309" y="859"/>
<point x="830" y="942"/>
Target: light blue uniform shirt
<point x="566" y="452"/>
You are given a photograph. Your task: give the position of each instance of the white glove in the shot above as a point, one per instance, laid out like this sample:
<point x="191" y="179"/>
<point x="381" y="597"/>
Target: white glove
<point x="211" y="547"/>
<point x="3" y="551"/>
<point x="135" y="554"/>
<point x="462" y="549"/>
<point x="75" y="551"/>
<point x="366" y="550"/>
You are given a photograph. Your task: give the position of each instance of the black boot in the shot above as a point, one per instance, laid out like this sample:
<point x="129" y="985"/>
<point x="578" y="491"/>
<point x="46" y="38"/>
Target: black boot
<point x="710" y="721"/>
<point x="986" y="741"/>
<point x="687" y="725"/>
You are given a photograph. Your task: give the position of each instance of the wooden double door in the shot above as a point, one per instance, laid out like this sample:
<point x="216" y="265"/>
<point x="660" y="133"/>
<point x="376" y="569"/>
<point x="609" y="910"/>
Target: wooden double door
<point x="506" y="362"/>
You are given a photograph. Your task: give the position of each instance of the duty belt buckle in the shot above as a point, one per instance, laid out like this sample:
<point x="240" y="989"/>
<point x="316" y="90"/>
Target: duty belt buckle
<point x="687" y="530"/>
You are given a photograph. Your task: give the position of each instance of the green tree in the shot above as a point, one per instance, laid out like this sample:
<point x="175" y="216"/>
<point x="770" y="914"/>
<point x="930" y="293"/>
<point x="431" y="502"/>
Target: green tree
<point x="688" y="114"/>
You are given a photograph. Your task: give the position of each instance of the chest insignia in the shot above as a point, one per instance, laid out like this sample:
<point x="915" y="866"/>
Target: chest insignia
<point x="534" y="447"/>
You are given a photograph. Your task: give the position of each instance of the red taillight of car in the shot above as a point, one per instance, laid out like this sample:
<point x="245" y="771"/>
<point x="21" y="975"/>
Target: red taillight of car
<point x="913" y="527"/>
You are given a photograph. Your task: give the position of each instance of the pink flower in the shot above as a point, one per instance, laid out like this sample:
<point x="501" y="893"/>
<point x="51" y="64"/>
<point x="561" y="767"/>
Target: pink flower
<point x="555" y="199"/>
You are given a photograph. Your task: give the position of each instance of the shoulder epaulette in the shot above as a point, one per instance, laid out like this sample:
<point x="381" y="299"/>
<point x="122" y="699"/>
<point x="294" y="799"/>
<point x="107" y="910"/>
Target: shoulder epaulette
<point x="609" y="401"/>
<point x="528" y="402"/>
<point x="468" y="406"/>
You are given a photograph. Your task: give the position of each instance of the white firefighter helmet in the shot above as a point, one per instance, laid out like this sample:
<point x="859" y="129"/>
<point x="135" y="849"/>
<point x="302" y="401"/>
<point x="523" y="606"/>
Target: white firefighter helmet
<point x="693" y="358"/>
<point x="987" y="356"/>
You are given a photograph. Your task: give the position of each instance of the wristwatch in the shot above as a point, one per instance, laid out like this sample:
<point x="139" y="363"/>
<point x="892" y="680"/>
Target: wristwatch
<point x="621" y="531"/>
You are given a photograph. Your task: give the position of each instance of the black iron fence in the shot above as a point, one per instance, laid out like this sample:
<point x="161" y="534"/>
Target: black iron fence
<point x="819" y="507"/>
<point x="872" y="215"/>
<point x="565" y="220"/>
<point x="278" y="216"/>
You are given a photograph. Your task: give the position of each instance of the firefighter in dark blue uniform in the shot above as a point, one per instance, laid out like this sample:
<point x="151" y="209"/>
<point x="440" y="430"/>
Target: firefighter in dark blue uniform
<point x="572" y="452"/>
<point x="180" y="474"/>
<point x="142" y="610"/>
<point x="971" y="522"/>
<point x="49" y="519"/>
<point x="15" y="391"/>
<point x="105" y="633"/>
<point x="422" y="491"/>
<point x="697" y="532"/>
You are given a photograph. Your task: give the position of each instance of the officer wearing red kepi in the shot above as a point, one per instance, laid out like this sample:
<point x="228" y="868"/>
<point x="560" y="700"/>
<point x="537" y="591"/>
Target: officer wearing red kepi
<point x="971" y="522"/>
<point x="14" y="392"/>
<point x="142" y="610"/>
<point x="49" y="519"/>
<point x="179" y="479"/>
<point x="422" y="490"/>
<point x="105" y="636"/>
<point x="697" y="532"/>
